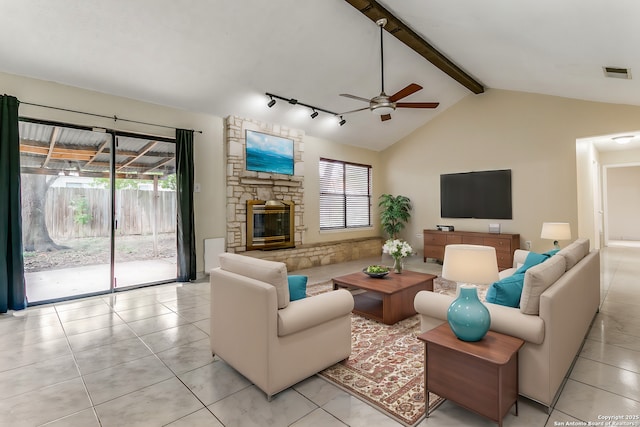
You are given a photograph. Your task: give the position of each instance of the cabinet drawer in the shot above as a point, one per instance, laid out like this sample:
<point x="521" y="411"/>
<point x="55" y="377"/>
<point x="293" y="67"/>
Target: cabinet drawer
<point x="435" y="239"/>
<point x="501" y="245"/>
<point x="454" y="239"/>
<point x="436" y="252"/>
<point x="504" y="260"/>
<point x="472" y="240"/>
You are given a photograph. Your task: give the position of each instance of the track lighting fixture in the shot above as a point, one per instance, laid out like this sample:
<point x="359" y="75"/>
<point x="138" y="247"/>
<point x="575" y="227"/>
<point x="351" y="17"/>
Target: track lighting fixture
<point x="293" y="101"/>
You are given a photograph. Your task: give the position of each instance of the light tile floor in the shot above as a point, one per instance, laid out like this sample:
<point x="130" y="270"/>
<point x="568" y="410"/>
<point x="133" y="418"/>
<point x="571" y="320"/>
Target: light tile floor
<point x="142" y="358"/>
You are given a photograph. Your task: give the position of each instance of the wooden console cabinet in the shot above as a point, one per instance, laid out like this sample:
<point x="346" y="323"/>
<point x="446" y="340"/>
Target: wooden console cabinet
<point x="505" y="244"/>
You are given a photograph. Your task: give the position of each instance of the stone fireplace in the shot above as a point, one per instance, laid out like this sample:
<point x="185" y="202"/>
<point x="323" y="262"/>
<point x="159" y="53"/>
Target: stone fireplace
<point x="249" y="188"/>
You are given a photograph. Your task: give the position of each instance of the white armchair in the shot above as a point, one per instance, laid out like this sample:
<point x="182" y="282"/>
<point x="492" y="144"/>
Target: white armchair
<point x="272" y="341"/>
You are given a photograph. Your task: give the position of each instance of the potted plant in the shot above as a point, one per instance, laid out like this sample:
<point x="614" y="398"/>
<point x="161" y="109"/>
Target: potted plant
<point x="394" y="214"/>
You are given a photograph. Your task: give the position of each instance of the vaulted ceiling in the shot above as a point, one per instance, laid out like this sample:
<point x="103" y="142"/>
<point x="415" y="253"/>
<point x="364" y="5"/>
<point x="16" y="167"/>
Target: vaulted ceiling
<point x="220" y="57"/>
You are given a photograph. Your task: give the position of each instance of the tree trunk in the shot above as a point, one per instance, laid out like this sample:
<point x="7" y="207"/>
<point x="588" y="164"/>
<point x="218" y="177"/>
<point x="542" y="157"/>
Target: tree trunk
<point x="35" y="236"/>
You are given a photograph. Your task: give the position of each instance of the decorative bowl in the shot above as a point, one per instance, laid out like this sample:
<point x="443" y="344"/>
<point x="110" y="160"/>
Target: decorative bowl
<point x="377" y="274"/>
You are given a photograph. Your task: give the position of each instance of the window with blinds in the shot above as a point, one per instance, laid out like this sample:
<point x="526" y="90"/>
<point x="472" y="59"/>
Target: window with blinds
<point x="345" y="195"/>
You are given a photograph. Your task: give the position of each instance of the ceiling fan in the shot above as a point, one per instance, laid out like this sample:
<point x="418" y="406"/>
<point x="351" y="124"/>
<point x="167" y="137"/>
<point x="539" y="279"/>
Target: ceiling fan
<point x="384" y="104"/>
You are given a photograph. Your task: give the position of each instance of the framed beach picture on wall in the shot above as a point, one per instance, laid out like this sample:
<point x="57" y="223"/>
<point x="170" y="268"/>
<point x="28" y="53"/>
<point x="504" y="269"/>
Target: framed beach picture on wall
<point x="269" y="153"/>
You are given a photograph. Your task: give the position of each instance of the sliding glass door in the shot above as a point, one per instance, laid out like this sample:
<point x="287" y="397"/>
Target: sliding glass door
<point x="99" y="211"/>
<point x="145" y="211"/>
<point x="66" y="221"/>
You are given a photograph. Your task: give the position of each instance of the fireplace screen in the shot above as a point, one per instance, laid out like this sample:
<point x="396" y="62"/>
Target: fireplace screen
<point x="270" y="224"/>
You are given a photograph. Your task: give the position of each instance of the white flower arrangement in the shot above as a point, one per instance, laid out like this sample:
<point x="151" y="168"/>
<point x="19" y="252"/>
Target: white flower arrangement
<point x="397" y="248"/>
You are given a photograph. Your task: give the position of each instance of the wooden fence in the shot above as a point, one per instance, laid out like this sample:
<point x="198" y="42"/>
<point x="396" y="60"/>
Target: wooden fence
<point x="65" y="207"/>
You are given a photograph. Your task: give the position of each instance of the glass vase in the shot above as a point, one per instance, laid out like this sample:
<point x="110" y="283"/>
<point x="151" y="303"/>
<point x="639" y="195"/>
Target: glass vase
<point x="397" y="265"/>
<point x="468" y="317"/>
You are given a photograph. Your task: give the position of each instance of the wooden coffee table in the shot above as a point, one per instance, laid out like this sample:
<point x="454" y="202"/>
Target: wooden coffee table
<point x="388" y="299"/>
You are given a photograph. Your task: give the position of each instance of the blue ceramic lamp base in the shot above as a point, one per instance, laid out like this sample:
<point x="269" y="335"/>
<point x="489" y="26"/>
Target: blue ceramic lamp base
<point x="468" y="317"/>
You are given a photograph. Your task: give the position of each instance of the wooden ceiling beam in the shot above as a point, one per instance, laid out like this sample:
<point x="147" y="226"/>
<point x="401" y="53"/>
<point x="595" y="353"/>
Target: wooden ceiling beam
<point x="160" y="164"/>
<point x="100" y="150"/>
<point x="57" y="153"/>
<point x="374" y="11"/>
<point x="138" y="155"/>
<point x="52" y="144"/>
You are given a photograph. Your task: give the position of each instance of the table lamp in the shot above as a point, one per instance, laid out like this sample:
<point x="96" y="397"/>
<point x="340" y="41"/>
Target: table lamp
<point x="556" y="231"/>
<point x="469" y="265"/>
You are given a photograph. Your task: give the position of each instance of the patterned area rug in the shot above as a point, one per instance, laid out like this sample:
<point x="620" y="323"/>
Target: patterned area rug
<point x="386" y="366"/>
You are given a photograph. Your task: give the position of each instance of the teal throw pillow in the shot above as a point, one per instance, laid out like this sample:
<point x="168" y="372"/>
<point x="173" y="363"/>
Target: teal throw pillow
<point x="297" y="287"/>
<point x="534" y="258"/>
<point x="551" y="253"/>
<point x="506" y="291"/>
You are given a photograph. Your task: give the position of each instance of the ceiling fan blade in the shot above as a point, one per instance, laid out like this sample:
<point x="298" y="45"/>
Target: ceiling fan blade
<point x="353" y="111"/>
<point x="417" y="104"/>
<point x="359" y="98"/>
<point x="402" y="93"/>
<point x="385" y="117"/>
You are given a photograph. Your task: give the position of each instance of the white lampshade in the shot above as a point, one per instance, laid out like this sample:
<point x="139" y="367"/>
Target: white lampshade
<point x="556" y="231"/>
<point x="470" y="264"/>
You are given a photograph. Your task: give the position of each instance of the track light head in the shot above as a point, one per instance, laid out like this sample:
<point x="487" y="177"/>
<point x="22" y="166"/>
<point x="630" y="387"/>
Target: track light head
<point x="293" y="101"/>
<point x="342" y="121"/>
<point x="314" y="114"/>
<point x="272" y="102"/>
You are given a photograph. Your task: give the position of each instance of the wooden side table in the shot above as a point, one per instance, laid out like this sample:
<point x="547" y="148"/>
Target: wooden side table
<point x="480" y="376"/>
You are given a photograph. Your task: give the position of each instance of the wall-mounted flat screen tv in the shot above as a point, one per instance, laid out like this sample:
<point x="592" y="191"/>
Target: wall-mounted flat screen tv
<point x="269" y="153"/>
<point x="482" y="195"/>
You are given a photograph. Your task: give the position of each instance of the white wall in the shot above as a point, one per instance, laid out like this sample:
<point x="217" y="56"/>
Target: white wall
<point x="533" y="135"/>
<point x="609" y="160"/>
<point x="623" y="202"/>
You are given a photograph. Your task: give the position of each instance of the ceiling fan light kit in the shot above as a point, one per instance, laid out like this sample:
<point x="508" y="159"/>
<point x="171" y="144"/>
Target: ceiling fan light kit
<point x="383" y="104"/>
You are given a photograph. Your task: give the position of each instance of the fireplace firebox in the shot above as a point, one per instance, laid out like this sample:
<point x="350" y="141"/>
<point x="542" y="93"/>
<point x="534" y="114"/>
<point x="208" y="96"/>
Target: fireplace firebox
<point x="270" y="224"/>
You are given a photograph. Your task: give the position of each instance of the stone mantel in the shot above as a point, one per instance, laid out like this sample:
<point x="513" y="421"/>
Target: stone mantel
<point x="270" y="182"/>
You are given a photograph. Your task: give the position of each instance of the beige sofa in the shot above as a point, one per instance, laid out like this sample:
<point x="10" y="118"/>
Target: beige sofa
<point x="272" y="341"/>
<point x="559" y="300"/>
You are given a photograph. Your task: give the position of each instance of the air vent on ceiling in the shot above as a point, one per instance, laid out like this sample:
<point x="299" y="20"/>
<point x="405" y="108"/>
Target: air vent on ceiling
<point x="617" y="73"/>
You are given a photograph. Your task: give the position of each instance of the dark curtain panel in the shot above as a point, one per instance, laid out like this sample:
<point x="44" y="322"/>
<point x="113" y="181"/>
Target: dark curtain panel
<point x="12" y="291"/>
<point x="186" y="229"/>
